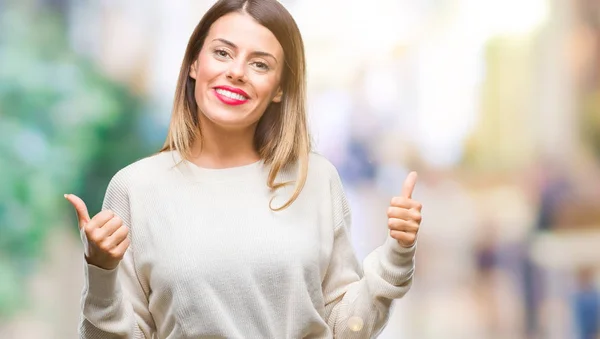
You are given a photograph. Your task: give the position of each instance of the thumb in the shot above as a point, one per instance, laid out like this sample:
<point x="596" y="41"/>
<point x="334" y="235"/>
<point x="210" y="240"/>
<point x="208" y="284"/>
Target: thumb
<point x="409" y="185"/>
<point x="80" y="208"/>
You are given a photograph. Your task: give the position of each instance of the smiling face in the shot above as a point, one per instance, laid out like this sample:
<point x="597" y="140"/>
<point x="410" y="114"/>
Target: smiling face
<point x="237" y="73"/>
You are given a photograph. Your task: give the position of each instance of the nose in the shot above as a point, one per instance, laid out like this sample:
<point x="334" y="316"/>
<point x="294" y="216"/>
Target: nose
<point x="237" y="71"/>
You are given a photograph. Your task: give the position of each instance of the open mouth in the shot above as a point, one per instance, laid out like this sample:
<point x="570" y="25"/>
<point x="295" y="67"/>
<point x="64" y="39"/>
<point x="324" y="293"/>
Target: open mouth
<point x="231" y="96"/>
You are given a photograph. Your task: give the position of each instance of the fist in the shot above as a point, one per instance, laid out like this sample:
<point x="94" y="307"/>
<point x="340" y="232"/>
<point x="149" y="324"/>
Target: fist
<point x="404" y="214"/>
<point x="104" y="236"/>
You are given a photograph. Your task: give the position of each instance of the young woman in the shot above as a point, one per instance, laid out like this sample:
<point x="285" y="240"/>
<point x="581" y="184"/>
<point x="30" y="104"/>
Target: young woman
<point x="235" y="229"/>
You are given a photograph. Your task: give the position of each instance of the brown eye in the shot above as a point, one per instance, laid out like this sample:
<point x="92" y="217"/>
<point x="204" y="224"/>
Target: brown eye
<point x="221" y="53"/>
<point x="261" y="65"/>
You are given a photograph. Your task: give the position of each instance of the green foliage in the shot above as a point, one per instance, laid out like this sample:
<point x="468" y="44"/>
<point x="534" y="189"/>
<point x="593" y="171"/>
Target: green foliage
<point x="64" y="127"/>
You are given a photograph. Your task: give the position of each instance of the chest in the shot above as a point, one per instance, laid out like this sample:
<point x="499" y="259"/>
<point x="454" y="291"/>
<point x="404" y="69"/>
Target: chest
<point x="222" y="235"/>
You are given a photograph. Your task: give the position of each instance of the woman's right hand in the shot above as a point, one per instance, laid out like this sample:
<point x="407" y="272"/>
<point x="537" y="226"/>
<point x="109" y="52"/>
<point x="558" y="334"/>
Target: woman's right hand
<point x="104" y="236"/>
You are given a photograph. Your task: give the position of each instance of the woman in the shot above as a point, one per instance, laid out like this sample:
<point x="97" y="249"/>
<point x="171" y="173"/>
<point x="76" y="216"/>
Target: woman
<point x="237" y="229"/>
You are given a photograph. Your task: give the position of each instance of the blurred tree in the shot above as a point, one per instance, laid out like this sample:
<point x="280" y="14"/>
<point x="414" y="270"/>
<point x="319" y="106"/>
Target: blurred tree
<point x="591" y="121"/>
<point x="587" y="15"/>
<point x="64" y="127"/>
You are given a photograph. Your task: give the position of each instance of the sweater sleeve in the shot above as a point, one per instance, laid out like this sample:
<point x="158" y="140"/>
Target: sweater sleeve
<point x="358" y="301"/>
<point x="114" y="303"/>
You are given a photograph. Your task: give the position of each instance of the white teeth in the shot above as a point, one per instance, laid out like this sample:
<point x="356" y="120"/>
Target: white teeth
<point x="230" y="94"/>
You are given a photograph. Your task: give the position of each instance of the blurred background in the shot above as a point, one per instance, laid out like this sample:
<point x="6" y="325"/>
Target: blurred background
<point x="496" y="103"/>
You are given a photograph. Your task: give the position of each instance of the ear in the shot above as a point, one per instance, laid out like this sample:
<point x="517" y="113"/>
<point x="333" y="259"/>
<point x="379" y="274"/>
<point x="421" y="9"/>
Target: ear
<point x="194" y="69"/>
<point x="278" y="95"/>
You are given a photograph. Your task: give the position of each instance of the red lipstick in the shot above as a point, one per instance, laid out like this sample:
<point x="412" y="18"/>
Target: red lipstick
<point x="224" y="93"/>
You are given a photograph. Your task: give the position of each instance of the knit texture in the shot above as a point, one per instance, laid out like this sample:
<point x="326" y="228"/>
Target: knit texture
<point x="209" y="259"/>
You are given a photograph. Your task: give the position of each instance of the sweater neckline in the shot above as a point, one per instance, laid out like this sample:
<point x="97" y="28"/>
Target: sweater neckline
<point x="237" y="173"/>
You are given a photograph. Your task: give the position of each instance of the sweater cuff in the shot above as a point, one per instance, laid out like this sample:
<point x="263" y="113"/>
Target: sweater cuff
<point x="397" y="254"/>
<point x="396" y="262"/>
<point x="101" y="283"/>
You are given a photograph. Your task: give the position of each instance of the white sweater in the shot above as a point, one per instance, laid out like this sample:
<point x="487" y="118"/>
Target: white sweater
<point x="209" y="259"/>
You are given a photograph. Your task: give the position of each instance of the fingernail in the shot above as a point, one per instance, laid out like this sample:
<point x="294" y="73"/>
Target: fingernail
<point x="65" y="196"/>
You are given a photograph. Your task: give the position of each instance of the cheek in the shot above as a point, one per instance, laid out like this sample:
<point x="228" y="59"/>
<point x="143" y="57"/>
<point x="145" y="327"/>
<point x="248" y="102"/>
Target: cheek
<point x="209" y="69"/>
<point x="268" y="87"/>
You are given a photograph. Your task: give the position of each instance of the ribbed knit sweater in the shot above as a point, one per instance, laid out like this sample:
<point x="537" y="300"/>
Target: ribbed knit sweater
<point x="209" y="259"/>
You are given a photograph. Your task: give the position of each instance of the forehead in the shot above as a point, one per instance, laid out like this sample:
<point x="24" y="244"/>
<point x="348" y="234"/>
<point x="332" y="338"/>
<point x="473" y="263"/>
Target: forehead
<point x="242" y="30"/>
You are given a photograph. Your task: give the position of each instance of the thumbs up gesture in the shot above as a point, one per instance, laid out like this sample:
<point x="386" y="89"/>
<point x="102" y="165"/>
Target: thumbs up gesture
<point x="104" y="236"/>
<point x="404" y="214"/>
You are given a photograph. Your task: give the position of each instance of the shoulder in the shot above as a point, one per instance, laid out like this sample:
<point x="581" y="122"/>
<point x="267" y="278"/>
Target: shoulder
<point x="323" y="175"/>
<point x="145" y="170"/>
<point x="319" y="165"/>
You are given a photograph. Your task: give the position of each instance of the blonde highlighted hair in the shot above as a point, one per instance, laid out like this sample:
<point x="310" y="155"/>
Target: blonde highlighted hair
<point x="281" y="137"/>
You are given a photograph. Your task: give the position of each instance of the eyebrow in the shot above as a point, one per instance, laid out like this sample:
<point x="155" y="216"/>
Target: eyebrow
<point x="256" y="53"/>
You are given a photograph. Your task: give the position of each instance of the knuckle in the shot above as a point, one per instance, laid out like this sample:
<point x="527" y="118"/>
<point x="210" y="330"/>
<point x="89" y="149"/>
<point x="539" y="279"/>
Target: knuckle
<point x="94" y="235"/>
<point x="113" y="252"/>
<point x="120" y="233"/>
<point x="116" y="255"/>
<point x="106" y="214"/>
<point x="104" y="245"/>
<point x="418" y="217"/>
<point x="90" y="227"/>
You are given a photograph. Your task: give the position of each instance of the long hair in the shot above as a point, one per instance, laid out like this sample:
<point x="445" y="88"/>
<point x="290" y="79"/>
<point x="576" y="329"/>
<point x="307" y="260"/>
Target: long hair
<point x="281" y="136"/>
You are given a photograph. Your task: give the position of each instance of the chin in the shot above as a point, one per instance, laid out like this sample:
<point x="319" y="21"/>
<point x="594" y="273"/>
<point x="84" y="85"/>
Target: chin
<point x="229" y="120"/>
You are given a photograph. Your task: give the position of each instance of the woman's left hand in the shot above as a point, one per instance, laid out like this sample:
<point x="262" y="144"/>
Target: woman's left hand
<point x="404" y="214"/>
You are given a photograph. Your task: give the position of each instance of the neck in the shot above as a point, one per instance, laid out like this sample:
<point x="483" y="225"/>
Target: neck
<point x="225" y="148"/>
